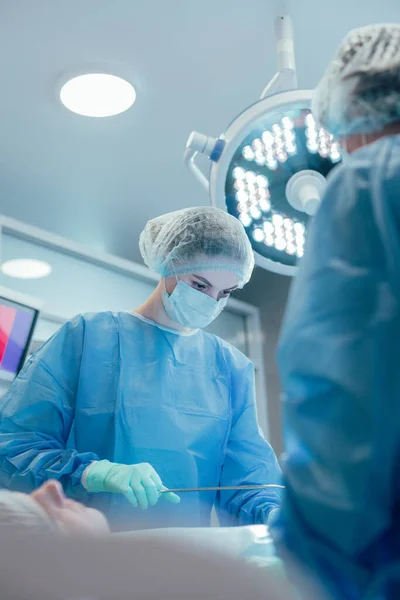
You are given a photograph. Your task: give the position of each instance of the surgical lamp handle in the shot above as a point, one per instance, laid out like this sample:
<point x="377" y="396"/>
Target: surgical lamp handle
<point x="189" y="159"/>
<point x="198" y="142"/>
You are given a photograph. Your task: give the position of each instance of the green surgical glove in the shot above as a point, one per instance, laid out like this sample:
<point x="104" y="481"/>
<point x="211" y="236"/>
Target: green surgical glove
<point x="140" y="484"/>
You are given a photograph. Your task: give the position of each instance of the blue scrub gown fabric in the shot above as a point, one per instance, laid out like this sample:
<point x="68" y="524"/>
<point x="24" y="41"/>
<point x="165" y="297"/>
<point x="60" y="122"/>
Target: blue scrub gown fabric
<point x="115" y="386"/>
<point x="339" y="361"/>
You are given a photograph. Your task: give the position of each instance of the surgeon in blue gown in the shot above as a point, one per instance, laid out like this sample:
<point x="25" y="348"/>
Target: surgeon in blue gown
<point x="117" y="406"/>
<point x="339" y="353"/>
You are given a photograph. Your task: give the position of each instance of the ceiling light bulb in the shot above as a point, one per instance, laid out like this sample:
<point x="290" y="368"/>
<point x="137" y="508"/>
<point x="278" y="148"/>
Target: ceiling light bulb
<point x="280" y="244"/>
<point x="242" y="196"/>
<point x="258" y="235"/>
<point x="287" y="123"/>
<point x="97" y="95"/>
<point x="265" y="205"/>
<point x="269" y="240"/>
<point x="268" y="228"/>
<point x="277" y="220"/>
<point x="257" y="144"/>
<point x="255" y="212"/>
<point x="248" y="153"/>
<point x="239" y="184"/>
<point x="299" y="228"/>
<point x="245" y="219"/>
<point x="238" y="173"/>
<point x="262" y="181"/>
<point x="26" y="268"/>
<point x="268" y="139"/>
<point x="250" y="177"/>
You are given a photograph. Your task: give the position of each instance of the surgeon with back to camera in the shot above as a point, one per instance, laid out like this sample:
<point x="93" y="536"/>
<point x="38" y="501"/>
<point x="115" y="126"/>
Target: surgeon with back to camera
<point x="340" y="346"/>
<point x="118" y="405"/>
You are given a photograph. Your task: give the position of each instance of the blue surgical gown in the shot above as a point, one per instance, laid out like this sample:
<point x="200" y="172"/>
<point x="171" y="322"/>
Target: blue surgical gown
<point x="339" y="361"/>
<point x="115" y="386"/>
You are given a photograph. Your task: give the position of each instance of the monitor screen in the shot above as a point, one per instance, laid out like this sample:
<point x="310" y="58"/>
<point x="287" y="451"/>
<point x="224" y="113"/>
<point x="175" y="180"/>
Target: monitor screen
<point x="17" y="323"/>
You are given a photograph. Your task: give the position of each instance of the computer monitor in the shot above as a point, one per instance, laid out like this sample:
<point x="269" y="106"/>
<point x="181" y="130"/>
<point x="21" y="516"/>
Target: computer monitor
<point x="17" y="322"/>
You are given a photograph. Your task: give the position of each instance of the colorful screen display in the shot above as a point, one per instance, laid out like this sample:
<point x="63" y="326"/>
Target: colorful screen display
<point x="16" y="327"/>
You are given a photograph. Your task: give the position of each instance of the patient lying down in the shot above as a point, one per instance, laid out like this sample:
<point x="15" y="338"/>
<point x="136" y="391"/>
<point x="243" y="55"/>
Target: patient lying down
<point x="48" y="510"/>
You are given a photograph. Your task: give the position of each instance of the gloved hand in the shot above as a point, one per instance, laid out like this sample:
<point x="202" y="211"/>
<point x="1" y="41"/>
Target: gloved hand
<point x="140" y="484"/>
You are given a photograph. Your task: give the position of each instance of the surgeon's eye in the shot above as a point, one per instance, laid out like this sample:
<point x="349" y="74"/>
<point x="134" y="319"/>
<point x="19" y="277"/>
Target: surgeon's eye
<point x="199" y="286"/>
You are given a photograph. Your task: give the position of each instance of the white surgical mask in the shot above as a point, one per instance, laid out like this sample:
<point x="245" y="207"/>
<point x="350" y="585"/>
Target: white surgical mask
<point x="191" y="308"/>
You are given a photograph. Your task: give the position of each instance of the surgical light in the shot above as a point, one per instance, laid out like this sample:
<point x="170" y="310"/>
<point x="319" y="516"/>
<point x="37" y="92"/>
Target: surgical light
<point x="269" y="168"/>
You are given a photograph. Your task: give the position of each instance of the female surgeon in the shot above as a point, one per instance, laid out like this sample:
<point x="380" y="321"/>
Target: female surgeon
<point x="117" y="405"/>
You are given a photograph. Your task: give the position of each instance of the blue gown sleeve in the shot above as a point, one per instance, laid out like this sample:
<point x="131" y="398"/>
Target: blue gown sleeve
<point x="249" y="459"/>
<point x="339" y="367"/>
<point x="36" y="416"/>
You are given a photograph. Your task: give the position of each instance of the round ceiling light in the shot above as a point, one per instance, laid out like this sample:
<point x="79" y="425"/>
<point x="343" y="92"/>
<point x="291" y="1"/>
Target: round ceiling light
<point x="26" y="268"/>
<point x="97" y="95"/>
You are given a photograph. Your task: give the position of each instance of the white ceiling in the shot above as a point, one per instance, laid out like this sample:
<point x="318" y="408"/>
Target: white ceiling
<point x="195" y="65"/>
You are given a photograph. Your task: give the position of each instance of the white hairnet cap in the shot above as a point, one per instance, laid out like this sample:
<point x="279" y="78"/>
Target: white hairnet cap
<point x="197" y="239"/>
<point x="360" y="90"/>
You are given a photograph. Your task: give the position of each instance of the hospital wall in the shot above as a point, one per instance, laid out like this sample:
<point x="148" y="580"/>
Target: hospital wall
<point x="269" y="293"/>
